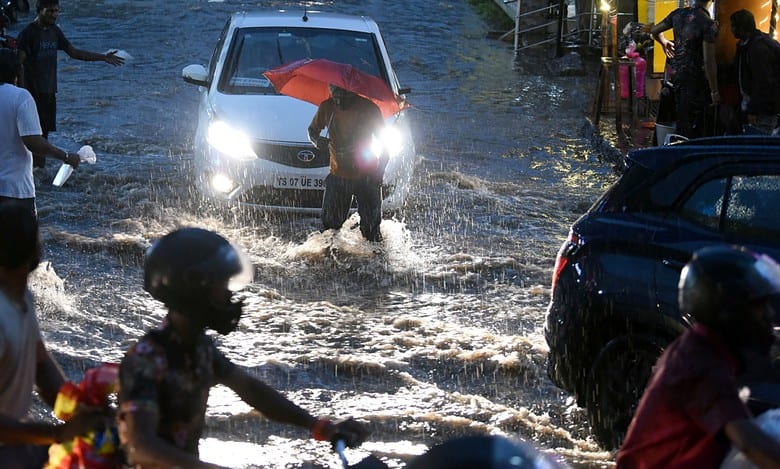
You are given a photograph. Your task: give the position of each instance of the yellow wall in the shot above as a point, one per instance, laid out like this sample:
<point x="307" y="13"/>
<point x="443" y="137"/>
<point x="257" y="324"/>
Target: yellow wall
<point x="659" y="10"/>
<point x="653" y="11"/>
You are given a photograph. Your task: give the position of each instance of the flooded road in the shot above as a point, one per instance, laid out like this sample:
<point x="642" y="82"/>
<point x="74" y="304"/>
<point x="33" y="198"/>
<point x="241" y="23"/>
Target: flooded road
<point x="438" y="336"/>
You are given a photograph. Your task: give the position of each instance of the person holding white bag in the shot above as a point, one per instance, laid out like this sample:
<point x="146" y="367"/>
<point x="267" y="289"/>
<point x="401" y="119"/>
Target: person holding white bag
<point x="20" y="134"/>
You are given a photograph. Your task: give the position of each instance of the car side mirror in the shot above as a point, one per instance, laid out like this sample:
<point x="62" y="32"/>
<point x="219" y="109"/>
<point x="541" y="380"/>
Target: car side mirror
<point x="195" y="74"/>
<point x="404" y="90"/>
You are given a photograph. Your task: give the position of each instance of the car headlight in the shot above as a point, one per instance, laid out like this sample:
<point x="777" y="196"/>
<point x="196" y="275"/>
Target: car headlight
<point x="389" y="139"/>
<point x="230" y="142"/>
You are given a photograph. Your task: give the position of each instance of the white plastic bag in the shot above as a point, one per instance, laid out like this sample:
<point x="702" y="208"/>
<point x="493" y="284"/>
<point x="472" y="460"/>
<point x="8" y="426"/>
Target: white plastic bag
<point x="87" y="155"/>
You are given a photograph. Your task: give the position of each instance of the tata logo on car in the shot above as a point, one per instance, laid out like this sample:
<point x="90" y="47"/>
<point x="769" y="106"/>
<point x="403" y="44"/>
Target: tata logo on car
<point x="306" y="156"/>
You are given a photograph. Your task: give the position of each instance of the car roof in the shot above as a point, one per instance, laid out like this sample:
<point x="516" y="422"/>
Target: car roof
<point x="655" y="158"/>
<point x="303" y="18"/>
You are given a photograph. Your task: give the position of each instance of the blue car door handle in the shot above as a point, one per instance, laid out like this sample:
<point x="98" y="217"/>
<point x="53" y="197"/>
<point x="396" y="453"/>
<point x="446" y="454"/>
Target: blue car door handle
<point x="673" y="264"/>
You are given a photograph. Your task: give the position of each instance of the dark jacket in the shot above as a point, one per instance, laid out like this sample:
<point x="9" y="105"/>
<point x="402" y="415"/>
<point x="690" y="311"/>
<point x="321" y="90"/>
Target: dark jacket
<point x="758" y="67"/>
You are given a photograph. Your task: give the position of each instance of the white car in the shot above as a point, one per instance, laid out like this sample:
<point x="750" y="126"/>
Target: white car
<point x="251" y="143"/>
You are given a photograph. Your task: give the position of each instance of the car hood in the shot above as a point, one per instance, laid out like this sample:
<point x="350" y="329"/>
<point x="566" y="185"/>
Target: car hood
<point x="266" y="117"/>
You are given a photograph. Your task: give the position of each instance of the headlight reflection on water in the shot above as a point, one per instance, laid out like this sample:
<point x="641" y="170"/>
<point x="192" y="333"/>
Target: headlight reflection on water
<point x="230" y="141"/>
<point x="222" y="183"/>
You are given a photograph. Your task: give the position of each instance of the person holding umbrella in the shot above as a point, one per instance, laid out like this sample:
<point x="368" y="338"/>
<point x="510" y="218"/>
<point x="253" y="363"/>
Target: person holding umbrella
<point x="355" y="167"/>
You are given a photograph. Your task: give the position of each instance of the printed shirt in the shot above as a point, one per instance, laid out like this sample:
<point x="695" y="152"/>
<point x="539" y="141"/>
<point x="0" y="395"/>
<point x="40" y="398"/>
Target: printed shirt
<point x="689" y="400"/>
<point x="351" y="132"/>
<point x="41" y="45"/>
<point x="19" y="338"/>
<point x="159" y="374"/>
<point x="692" y="27"/>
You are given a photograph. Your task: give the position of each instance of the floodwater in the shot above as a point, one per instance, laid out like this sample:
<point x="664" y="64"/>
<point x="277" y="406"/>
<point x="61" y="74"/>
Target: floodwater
<point x="438" y="336"/>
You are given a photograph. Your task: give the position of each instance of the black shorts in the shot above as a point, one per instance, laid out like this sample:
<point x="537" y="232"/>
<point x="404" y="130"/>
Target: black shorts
<point x="47" y="111"/>
<point x="28" y="203"/>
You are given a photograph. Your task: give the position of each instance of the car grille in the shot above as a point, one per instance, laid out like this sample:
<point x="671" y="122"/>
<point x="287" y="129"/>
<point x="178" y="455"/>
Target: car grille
<point x="259" y="195"/>
<point x="291" y="155"/>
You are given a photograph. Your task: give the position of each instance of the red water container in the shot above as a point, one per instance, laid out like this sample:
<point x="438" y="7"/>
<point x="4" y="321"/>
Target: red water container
<point x="640" y="66"/>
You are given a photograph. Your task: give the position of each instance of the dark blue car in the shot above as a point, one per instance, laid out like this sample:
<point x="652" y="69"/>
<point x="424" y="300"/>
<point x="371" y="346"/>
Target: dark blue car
<point x="614" y="288"/>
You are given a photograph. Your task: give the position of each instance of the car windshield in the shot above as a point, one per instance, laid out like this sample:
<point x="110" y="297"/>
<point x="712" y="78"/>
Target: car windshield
<point x="256" y="50"/>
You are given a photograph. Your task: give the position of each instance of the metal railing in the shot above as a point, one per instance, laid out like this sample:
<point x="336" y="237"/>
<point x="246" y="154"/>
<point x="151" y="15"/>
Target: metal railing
<point x="556" y="16"/>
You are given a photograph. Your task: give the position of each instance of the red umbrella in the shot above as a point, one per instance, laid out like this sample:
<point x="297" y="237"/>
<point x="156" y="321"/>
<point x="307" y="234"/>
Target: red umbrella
<point x="308" y="80"/>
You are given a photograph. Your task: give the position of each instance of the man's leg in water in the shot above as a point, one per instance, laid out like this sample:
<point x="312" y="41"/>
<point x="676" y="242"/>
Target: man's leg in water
<point x="336" y="202"/>
<point x="369" y="199"/>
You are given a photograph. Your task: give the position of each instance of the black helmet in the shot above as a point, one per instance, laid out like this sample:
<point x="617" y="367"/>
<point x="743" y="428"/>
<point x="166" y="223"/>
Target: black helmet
<point x="483" y="452"/>
<point x="194" y="272"/>
<point x="719" y="282"/>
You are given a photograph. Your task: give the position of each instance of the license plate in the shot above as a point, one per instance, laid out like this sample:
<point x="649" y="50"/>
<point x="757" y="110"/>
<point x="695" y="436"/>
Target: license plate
<point x="299" y="182"/>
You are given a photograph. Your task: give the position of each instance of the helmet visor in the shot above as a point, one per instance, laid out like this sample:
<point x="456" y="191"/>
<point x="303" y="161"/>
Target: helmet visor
<point x="229" y="265"/>
<point x="244" y="273"/>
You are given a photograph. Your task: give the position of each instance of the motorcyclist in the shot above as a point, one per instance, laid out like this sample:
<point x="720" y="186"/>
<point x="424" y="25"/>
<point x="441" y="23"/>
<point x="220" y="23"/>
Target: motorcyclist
<point x="691" y="413"/>
<point x="165" y="378"/>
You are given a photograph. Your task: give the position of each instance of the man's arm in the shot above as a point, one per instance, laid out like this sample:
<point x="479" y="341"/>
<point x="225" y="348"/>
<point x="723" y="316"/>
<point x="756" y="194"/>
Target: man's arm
<point x="711" y="70"/>
<point x="49" y="378"/>
<point x="267" y="400"/>
<point x="315" y="127"/>
<point x="39" y="145"/>
<point x="144" y="447"/>
<point x="48" y="375"/>
<point x="14" y="432"/>
<point x="275" y="406"/>
<point x="80" y="54"/>
<point x="760" y="448"/>
<point x="21" y="56"/>
<point x="657" y="31"/>
<point x="17" y="432"/>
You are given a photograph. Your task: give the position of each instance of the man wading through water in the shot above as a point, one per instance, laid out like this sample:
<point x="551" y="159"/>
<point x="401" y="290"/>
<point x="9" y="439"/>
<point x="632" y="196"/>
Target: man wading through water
<point x="355" y="169"/>
<point x="38" y="45"/>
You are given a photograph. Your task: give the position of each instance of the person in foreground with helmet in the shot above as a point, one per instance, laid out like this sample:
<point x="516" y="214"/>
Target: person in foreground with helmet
<point x="691" y="413"/>
<point x="25" y="361"/>
<point x="165" y="378"/>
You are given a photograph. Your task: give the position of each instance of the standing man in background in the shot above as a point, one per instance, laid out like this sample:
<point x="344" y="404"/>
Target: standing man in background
<point x="38" y="44"/>
<point x="20" y="130"/>
<point x="692" y="63"/>
<point x="758" y="73"/>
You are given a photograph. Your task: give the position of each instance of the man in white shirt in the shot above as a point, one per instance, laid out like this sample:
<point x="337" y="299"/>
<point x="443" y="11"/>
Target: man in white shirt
<point x="20" y="133"/>
<point x="25" y="362"/>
